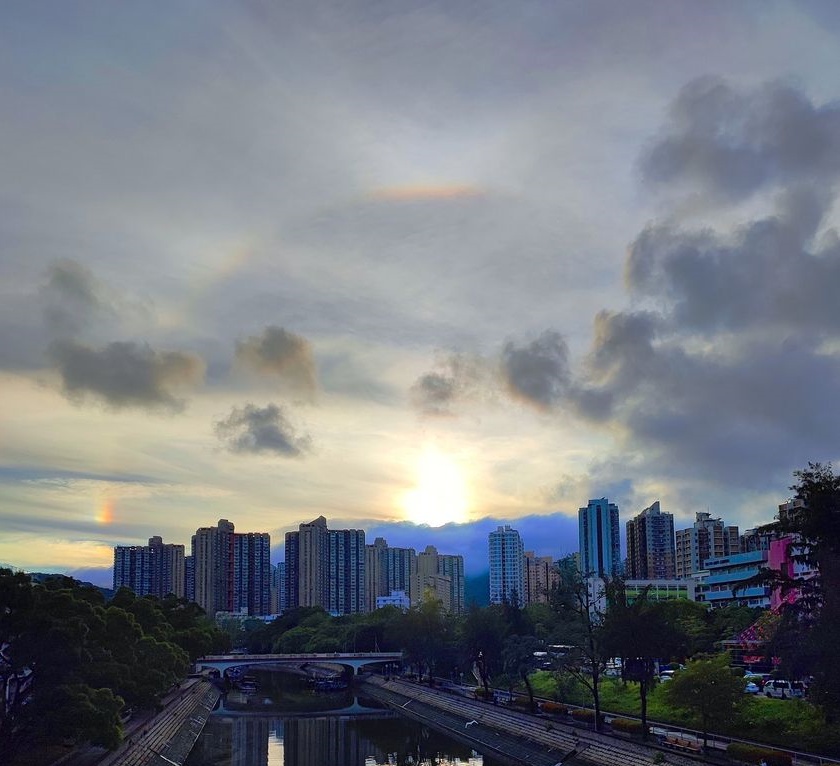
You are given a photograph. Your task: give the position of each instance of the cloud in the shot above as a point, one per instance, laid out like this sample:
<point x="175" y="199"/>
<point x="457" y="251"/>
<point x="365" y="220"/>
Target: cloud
<point x="538" y="372"/>
<point x="258" y="430"/>
<point x="729" y="366"/>
<point x="459" y="378"/>
<point x="72" y="297"/>
<point x="126" y="374"/>
<point x="730" y="143"/>
<point x="767" y="273"/>
<point x="283" y="355"/>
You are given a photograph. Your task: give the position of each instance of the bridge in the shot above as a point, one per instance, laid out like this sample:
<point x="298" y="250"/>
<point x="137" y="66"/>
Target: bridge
<point x="353" y="660"/>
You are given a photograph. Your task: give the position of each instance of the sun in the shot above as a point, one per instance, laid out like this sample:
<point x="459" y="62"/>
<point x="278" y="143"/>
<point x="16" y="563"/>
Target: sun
<point x="440" y="495"/>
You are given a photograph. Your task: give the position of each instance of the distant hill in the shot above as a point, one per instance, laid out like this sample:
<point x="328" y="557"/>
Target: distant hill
<point x="477" y="589"/>
<point x="108" y="593"/>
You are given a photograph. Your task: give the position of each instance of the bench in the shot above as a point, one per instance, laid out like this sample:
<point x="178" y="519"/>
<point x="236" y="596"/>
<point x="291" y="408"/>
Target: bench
<point x="679" y="743"/>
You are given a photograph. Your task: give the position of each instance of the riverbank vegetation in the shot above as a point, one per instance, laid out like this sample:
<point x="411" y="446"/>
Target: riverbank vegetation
<point x="72" y="664"/>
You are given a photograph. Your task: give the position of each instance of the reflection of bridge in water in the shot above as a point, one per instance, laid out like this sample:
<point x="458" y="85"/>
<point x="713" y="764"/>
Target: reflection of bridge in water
<point x="270" y="711"/>
<point x="354" y="660"/>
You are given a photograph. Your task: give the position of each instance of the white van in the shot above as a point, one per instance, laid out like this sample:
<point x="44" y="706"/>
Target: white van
<point x="784" y="689"/>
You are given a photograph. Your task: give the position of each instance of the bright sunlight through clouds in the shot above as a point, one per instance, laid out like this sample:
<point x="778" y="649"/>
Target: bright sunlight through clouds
<point x="440" y="495"/>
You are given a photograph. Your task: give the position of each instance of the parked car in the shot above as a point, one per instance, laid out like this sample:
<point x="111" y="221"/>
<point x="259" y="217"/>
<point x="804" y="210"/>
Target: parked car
<point x="666" y="675"/>
<point x="759" y="679"/>
<point x="751" y="688"/>
<point x="784" y="689"/>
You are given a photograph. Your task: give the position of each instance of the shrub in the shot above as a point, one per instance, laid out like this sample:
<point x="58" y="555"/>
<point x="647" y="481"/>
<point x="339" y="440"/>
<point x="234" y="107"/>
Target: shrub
<point x="555" y="708"/>
<point x="626" y="725"/>
<point x="753" y="754"/>
<point x="480" y="692"/>
<point x="522" y="702"/>
<point x="587" y="716"/>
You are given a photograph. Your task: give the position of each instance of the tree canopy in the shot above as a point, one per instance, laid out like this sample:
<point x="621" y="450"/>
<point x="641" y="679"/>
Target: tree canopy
<point x="83" y="660"/>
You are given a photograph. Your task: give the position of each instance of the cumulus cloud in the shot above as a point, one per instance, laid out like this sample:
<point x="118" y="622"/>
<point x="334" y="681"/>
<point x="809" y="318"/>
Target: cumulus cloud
<point x="459" y="378"/>
<point x="72" y="297"/>
<point x="730" y="143"/>
<point x="283" y="355"/>
<point x="537" y="373"/>
<point x="260" y="430"/>
<point x="126" y="374"/>
<point x="731" y="369"/>
<point x="766" y="273"/>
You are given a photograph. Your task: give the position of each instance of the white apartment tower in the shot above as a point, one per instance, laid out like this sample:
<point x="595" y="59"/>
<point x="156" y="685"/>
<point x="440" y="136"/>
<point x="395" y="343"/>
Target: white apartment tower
<point x="507" y="576"/>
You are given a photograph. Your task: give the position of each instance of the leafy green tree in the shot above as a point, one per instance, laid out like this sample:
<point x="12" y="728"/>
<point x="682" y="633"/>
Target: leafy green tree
<point x="83" y="660"/>
<point x="810" y="630"/>
<point x="579" y="603"/>
<point x="640" y="633"/>
<point x="424" y="633"/>
<point x="482" y="636"/>
<point x="707" y="689"/>
<point x="518" y="661"/>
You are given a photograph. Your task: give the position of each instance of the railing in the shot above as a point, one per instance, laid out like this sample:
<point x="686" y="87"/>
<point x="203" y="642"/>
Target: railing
<point x="716" y="741"/>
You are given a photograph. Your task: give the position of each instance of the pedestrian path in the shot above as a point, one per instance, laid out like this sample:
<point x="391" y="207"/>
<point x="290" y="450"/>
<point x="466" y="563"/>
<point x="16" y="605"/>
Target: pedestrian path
<point x="168" y="738"/>
<point x="503" y="729"/>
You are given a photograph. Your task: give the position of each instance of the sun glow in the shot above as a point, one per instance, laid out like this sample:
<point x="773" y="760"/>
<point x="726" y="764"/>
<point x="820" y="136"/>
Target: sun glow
<point x="440" y="495"/>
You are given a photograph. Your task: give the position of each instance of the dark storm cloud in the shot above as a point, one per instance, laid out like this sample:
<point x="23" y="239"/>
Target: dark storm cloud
<point x="72" y="297"/>
<point x="126" y="374"/>
<point x="731" y="143"/>
<point x="537" y="373"/>
<point x="283" y="355"/>
<point x="459" y="378"/>
<point x="252" y="429"/>
<point x="734" y="374"/>
<point x="765" y="273"/>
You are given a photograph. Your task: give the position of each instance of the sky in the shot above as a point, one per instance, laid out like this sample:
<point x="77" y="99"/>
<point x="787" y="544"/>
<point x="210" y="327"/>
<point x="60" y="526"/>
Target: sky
<point x="419" y="268"/>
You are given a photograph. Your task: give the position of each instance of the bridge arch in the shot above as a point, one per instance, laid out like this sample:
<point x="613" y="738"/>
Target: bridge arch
<point x="356" y="661"/>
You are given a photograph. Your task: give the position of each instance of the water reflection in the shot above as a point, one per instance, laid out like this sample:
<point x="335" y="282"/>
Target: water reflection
<point x="316" y="741"/>
<point x="284" y="723"/>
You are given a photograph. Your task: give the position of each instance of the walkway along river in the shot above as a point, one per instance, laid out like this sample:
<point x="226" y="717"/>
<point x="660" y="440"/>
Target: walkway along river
<point x="508" y="735"/>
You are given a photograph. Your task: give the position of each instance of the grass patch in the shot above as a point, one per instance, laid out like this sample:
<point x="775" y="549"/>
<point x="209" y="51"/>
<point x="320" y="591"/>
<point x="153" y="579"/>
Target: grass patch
<point x="794" y="724"/>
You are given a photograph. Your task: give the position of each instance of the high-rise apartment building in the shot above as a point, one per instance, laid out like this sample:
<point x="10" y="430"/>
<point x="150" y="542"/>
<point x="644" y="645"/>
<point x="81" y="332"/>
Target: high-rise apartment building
<point x="292" y="584"/>
<point x="600" y="539"/>
<point x="388" y="570"/>
<point x="156" y="569"/>
<point x="189" y="578"/>
<point x="541" y="575"/>
<point x="212" y="552"/>
<point x="709" y="538"/>
<point x="326" y="568"/>
<point x="314" y="563"/>
<point x="252" y="572"/>
<point x="231" y="571"/>
<point x="507" y="577"/>
<point x="650" y="545"/>
<point x="442" y="577"/>
<point x="346" y="586"/>
<point x="278" y="588"/>
<point x="452" y="566"/>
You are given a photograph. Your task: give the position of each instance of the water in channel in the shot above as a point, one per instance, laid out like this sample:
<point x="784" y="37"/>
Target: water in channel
<point x="279" y="719"/>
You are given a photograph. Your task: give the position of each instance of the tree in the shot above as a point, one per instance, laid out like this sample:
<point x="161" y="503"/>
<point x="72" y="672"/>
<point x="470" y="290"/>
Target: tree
<point x="518" y="660"/>
<point x="579" y="603"/>
<point x="810" y="629"/>
<point x="482" y="635"/>
<point x="640" y="634"/>
<point x="708" y="689"/>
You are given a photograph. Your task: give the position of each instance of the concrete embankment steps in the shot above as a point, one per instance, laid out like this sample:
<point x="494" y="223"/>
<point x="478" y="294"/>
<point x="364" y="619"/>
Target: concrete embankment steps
<point x="600" y="750"/>
<point x="170" y="735"/>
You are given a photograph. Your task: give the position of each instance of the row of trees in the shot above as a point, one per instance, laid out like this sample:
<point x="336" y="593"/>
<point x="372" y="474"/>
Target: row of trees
<point x="85" y="661"/>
